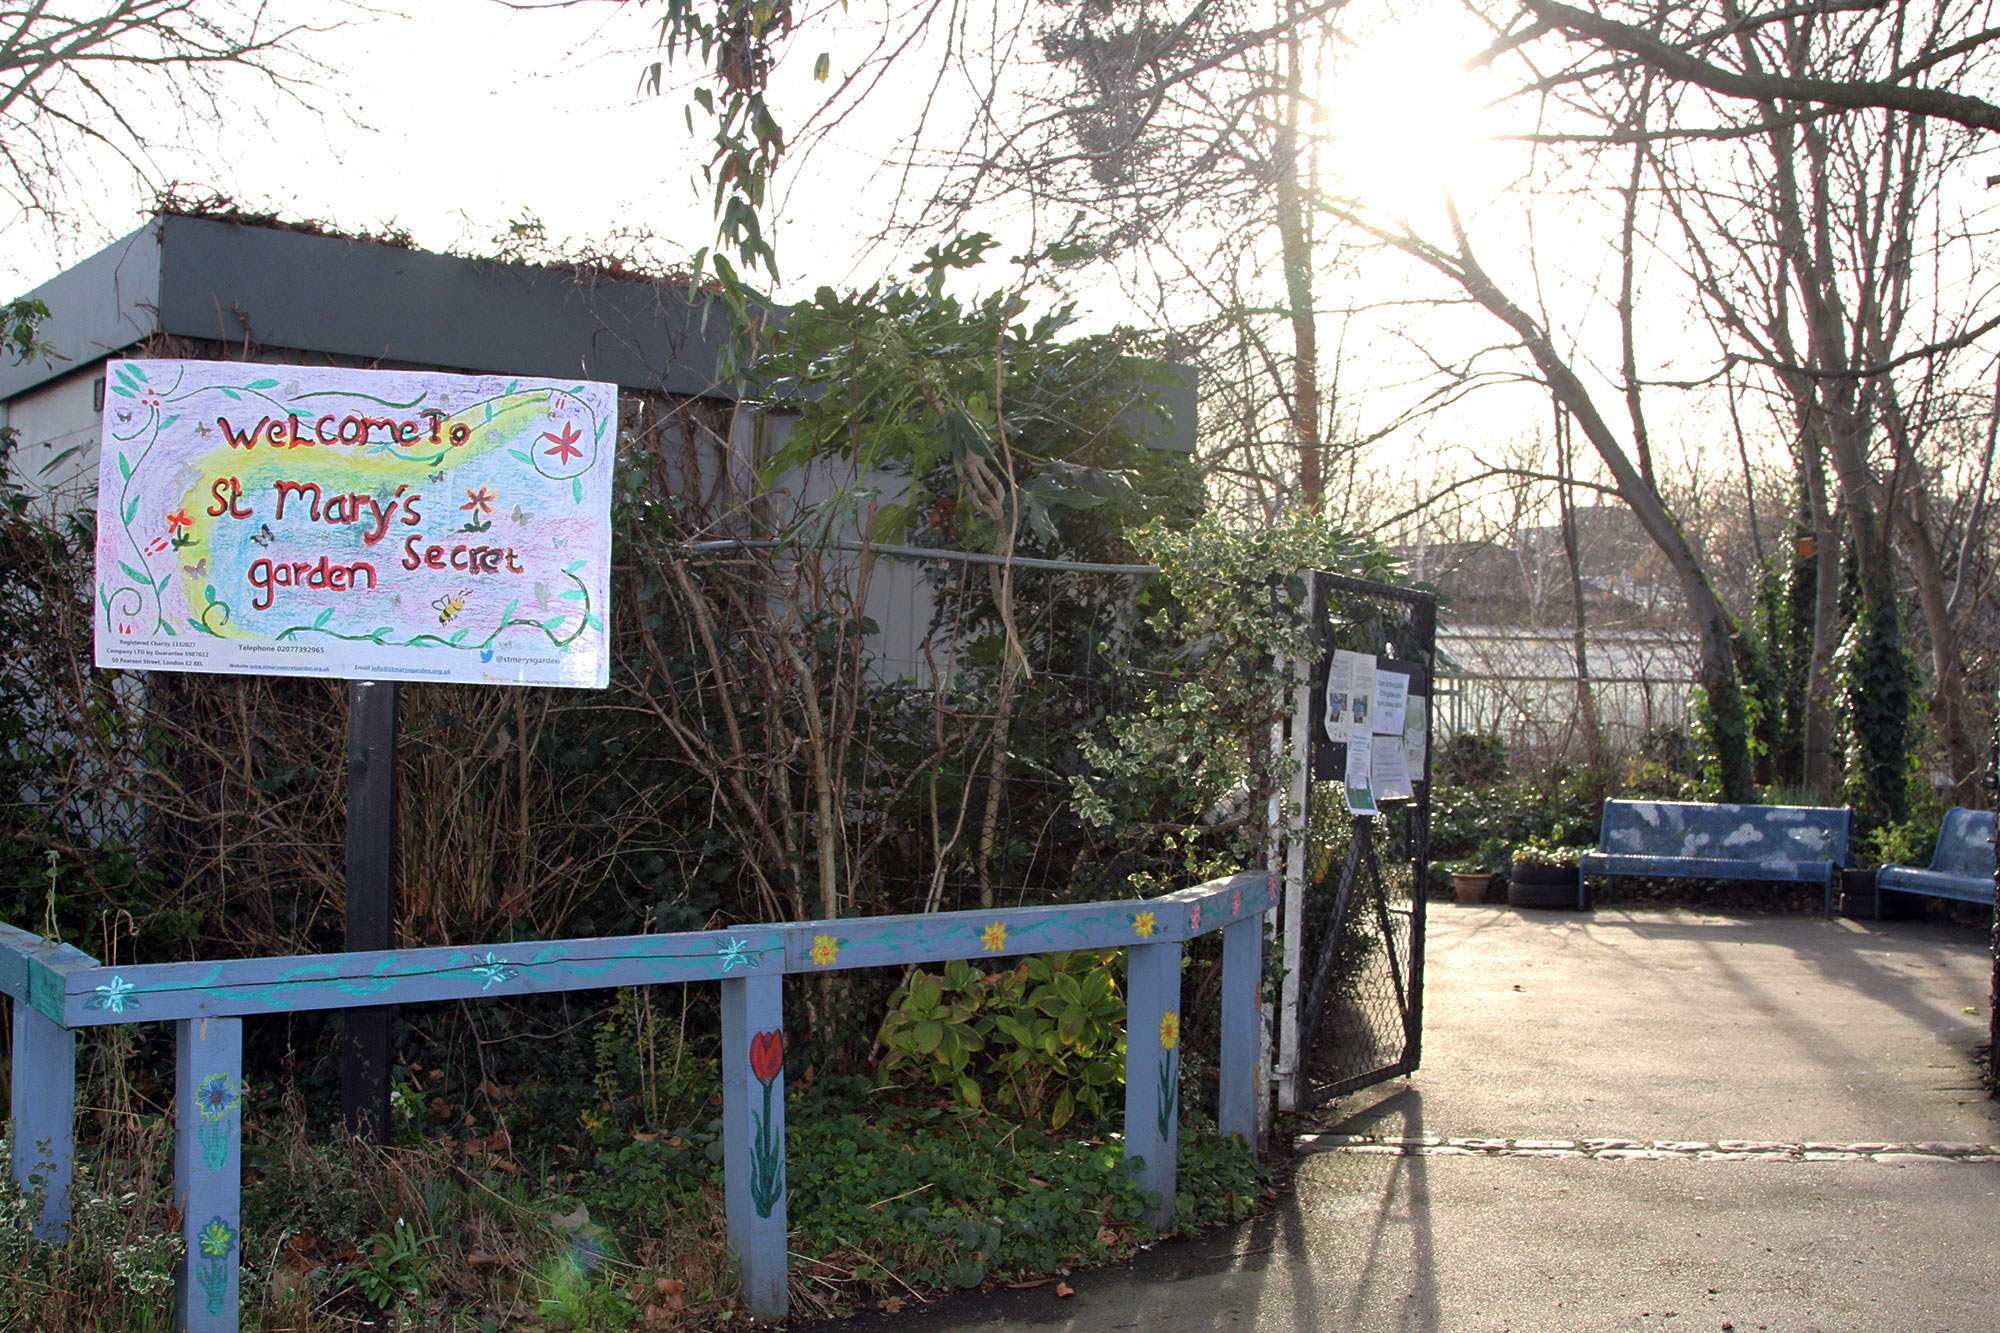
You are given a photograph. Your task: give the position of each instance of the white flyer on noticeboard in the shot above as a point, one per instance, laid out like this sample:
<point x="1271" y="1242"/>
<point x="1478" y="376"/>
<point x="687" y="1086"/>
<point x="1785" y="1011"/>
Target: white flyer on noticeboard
<point x="1392" y="690"/>
<point x="1361" y="776"/>
<point x="1335" y="712"/>
<point x="1360" y="696"/>
<point x="1417" y="735"/>
<point x="1391" y="773"/>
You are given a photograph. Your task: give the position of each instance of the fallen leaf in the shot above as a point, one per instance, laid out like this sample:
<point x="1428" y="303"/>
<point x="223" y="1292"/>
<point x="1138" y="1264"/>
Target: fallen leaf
<point x="890" y="1305"/>
<point x="1106" y="1236"/>
<point x="1063" y="1289"/>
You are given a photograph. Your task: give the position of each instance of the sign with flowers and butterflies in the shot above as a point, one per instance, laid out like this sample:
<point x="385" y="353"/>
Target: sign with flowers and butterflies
<point x="357" y="524"/>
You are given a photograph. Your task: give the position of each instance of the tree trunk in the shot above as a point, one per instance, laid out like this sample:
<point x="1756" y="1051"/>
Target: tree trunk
<point x="1296" y="245"/>
<point x="1720" y="680"/>
<point x="1586" y="700"/>
<point x="1950" y="701"/>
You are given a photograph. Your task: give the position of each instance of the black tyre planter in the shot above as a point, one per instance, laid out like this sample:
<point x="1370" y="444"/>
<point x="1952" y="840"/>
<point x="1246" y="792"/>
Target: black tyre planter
<point x="1542" y="886"/>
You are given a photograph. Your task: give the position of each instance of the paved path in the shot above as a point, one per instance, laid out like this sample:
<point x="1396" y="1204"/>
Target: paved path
<point x="1631" y="1119"/>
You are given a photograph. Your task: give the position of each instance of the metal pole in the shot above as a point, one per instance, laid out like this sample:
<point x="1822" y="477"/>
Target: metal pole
<point x="1992" y="784"/>
<point x="371" y="899"/>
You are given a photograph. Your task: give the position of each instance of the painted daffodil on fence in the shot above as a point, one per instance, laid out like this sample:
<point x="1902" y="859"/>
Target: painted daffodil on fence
<point x="1170" y="1030"/>
<point x="825" y="950"/>
<point x="995" y="937"/>
<point x="1142" y="925"/>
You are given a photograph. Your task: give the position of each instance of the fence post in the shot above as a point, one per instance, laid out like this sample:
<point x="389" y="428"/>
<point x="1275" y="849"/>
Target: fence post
<point x="43" y="1103"/>
<point x="753" y="1137"/>
<point x="1153" y="1069"/>
<point x="208" y="1171"/>
<point x="1242" y="1028"/>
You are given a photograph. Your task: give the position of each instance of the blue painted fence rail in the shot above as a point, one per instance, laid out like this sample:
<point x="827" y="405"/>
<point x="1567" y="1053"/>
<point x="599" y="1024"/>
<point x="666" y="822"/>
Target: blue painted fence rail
<point x="57" y="989"/>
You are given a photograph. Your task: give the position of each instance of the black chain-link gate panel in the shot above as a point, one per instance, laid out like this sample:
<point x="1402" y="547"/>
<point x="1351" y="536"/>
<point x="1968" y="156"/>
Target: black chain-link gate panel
<point x="1361" y="1015"/>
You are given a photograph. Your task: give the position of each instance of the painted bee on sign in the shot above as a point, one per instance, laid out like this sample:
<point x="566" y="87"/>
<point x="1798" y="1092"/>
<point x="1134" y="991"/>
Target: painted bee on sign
<point x="450" y="605"/>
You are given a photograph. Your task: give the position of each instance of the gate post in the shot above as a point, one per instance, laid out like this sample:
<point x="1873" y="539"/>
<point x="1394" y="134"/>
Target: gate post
<point x="1153" y="1069"/>
<point x="1242" y="974"/>
<point x="44" y="1116"/>
<point x="208" y="1171"/>
<point x="753" y="1137"/>
<point x="1291" y="906"/>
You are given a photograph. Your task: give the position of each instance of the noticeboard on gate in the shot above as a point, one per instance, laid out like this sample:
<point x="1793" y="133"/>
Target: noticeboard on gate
<point x="356" y="524"/>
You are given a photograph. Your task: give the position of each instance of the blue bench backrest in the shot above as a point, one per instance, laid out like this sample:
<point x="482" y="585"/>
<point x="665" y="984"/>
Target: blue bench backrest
<point x="1729" y="832"/>
<point x="1965" y="843"/>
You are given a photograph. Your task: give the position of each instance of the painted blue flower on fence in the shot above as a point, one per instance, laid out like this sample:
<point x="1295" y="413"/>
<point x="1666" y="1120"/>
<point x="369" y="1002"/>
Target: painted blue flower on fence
<point x="216" y="1099"/>
<point x="116" y="997"/>
<point x="217" y="1096"/>
<point x="494" y="969"/>
<point x="734" y="954"/>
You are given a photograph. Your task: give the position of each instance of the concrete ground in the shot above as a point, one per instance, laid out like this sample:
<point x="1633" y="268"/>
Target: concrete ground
<point x="1628" y="1119"/>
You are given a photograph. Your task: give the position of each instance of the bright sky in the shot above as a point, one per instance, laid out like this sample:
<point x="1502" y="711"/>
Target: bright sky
<point x="467" y="114"/>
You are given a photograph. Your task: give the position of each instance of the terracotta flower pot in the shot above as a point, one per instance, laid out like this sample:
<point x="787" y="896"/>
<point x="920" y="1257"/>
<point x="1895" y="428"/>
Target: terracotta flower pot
<point x="1471" y="887"/>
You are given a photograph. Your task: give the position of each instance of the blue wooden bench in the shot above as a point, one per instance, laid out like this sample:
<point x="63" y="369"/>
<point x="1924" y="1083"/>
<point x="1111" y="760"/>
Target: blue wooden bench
<point x="1961" y="868"/>
<point x="1688" y="840"/>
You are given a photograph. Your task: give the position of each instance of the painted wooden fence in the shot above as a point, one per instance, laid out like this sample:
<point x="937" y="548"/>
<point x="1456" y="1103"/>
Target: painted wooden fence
<point x="57" y="989"/>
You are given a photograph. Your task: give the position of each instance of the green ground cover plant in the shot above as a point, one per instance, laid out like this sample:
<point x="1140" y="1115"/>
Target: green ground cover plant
<point x="894" y="1193"/>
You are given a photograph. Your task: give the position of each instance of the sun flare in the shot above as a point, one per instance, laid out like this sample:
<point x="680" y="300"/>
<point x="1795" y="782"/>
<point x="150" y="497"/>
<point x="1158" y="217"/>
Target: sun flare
<point x="1404" y="121"/>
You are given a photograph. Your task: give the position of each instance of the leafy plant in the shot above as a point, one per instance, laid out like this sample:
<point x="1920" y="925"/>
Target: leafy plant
<point x="1549" y="851"/>
<point x="397" y="1267"/>
<point x="1048" y="1034"/>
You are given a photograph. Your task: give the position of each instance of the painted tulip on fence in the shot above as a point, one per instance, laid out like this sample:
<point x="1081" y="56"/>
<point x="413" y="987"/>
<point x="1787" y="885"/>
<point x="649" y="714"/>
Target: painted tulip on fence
<point x="767" y="1154"/>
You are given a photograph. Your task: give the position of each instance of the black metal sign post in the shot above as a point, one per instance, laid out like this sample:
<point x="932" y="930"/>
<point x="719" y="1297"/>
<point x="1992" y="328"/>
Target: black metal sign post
<point x="371" y="898"/>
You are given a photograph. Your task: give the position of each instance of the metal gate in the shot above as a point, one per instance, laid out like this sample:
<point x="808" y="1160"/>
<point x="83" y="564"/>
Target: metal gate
<point x="1360" y="1006"/>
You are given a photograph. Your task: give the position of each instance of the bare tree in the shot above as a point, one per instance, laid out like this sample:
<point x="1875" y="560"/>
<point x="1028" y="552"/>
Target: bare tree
<point x="1703" y="45"/>
<point x="126" y="78"/>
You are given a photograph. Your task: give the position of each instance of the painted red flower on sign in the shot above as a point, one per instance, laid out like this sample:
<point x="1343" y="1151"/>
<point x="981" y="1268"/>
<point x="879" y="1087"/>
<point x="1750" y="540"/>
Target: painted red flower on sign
<point x="767" y="1055"/>
<point x="179" y="519"/>
<point x="565" y="444"/>
<point x="480" y="500"/>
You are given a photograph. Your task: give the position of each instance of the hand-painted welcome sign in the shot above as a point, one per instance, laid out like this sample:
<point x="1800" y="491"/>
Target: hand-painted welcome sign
<point x="362" y="524"/>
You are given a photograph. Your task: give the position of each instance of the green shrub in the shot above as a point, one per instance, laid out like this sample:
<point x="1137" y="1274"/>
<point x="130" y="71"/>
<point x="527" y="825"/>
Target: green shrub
<point x="1472" y="758"/>
<point x="1044" y="1039"/>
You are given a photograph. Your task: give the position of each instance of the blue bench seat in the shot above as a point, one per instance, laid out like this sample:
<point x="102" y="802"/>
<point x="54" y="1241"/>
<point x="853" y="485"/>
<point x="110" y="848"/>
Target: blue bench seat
<point x="1695" y="840"/>
<point x="1961" y="868"/>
